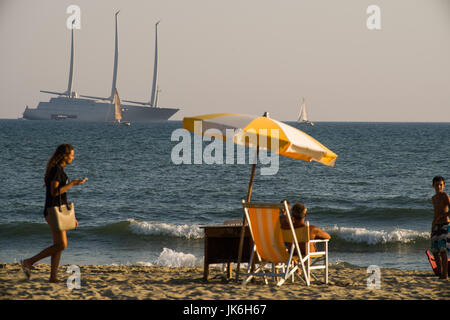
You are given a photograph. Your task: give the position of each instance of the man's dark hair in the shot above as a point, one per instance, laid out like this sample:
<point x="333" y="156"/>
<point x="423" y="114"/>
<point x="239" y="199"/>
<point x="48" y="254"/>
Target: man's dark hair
<point x="298" y="210"/>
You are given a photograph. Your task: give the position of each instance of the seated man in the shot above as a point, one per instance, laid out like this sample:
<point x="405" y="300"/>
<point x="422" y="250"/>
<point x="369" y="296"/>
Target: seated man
<point x="298" y="220"/>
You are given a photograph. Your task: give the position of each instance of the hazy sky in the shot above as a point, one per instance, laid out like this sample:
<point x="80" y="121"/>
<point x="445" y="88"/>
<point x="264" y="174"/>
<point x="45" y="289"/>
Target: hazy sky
<point x="246" y="56"/>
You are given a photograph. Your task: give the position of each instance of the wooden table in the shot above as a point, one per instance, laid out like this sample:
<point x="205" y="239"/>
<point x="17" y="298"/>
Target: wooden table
<point x="222" y="245"/>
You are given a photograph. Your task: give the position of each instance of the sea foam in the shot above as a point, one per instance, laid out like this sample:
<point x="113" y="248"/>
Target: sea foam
<point x="165" y="229"/>
<point x="372" y="237"/>
<point x="172" y="258"/>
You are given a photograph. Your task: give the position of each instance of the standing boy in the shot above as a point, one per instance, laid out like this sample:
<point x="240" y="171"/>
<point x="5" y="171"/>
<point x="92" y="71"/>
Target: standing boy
<point x="440" y="239"/>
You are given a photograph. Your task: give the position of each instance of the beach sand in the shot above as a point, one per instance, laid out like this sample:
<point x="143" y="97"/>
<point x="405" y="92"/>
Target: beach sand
<point x="141" y="282"/>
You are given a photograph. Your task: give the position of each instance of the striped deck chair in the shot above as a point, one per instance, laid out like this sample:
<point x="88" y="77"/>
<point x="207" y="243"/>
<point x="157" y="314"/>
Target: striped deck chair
<point x="269" y="246"/>
<point x="313" y="260"/>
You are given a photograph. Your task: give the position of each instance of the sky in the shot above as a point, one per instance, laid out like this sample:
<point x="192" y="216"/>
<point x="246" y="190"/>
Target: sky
<point x="245" y="56"/>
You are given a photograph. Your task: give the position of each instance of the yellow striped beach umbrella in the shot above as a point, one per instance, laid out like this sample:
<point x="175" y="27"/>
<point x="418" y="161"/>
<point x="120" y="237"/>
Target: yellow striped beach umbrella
<point x="292" y="142"/>
<point x="251" y="130"/>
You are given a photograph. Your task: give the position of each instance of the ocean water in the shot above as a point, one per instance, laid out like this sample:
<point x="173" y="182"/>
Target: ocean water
<point x="138" y="207"/>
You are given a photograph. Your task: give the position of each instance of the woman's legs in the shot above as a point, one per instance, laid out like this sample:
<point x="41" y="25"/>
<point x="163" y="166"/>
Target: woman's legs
<point x="59" y="244"/>
<point x="60" y="241"/>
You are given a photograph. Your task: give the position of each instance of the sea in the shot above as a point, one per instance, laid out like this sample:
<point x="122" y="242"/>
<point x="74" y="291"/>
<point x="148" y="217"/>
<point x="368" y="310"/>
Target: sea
<point x="138" y="207"/>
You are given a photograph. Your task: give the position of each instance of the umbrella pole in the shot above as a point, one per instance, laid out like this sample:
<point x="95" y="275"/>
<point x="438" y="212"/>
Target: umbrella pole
<point x="249" y="195"/>
<point x="250" y="185"/>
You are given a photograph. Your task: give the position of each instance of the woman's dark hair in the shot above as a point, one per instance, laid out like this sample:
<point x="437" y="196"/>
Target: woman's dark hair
<point x="58" y="156"/>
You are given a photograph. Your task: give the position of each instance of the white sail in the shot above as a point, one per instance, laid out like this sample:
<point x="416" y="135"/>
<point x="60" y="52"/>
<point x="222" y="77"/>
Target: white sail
<point x="303" y="116"/>
<point x="117" y="107"/>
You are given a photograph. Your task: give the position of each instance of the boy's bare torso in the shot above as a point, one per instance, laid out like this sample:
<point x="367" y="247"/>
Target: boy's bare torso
<point x="441" y="208"/>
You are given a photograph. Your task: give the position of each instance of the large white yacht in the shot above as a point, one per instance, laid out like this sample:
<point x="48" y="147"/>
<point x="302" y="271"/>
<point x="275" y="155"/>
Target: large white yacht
<point x="69" y="105"/>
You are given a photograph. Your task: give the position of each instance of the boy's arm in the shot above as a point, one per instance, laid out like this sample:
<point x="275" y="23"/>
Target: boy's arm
<point x="447" y="204"/>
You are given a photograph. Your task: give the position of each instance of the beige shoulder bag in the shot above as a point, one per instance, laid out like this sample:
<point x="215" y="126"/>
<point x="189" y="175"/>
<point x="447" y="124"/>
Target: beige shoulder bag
<point x="62" y="217"/>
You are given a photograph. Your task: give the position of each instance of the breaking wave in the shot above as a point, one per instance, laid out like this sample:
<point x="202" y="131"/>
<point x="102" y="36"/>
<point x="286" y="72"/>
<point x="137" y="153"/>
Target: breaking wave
<point x="374" y="237"/>
<point x="165" y="229"/>
<point x="172" y="258"/>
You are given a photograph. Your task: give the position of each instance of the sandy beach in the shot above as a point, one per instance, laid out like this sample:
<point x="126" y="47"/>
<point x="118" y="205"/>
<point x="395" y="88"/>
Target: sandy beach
<point x="140" y="282"/>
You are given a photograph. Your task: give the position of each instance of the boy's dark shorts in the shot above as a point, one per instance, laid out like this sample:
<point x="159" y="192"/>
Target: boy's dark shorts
<point x="440" y="239"/>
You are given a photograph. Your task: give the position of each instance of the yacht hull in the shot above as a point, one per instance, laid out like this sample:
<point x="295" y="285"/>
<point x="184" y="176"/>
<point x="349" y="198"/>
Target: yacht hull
<point x="77" y="109"/>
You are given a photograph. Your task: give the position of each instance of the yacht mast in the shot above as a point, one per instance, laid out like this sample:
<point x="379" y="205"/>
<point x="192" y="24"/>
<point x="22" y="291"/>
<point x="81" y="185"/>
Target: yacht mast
<point x="155" y="69"/>
<point x="69" y="86"/>
<point x="154" y="95"/>
<point x="69" y="92"/>
<point x="116" y="62"/>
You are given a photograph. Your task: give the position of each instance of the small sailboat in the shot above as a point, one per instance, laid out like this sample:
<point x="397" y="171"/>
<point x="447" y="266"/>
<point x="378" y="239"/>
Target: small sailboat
<point x="303" y="117"/>
<point x="118" y="110"/>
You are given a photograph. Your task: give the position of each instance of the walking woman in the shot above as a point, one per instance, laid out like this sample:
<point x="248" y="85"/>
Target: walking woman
<point x="57" y="185"/>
